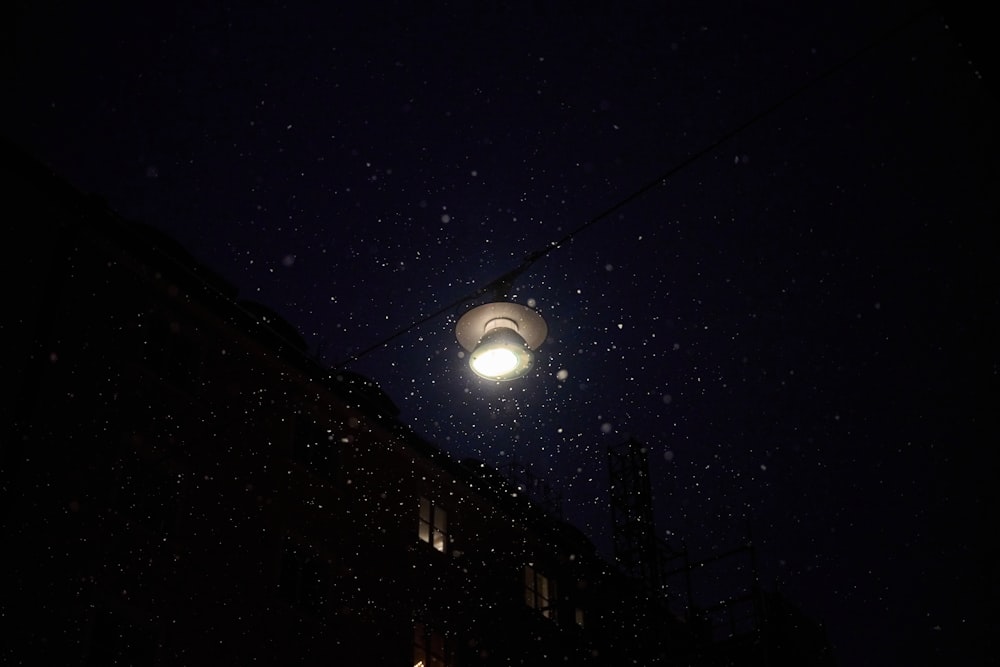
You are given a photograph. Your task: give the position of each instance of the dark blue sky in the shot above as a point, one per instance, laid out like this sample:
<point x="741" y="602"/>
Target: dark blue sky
<point x="800" y="322"/>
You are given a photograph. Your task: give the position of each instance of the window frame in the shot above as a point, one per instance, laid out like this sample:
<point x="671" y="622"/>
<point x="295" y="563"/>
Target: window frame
<point x="432" y="525"/>
<point x="540" y="592"/>
<point x="431" y="648"/>
<point x="314" y="446"/>
<point x="305" y="579"/>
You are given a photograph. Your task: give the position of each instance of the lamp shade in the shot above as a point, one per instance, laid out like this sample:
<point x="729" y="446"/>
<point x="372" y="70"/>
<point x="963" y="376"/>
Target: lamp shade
<point x="501" y="338"/>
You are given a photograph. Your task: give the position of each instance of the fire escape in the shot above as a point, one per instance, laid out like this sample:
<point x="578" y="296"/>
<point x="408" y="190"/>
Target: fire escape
<point x="638" y="550"/>
<point x="666" y="572"/>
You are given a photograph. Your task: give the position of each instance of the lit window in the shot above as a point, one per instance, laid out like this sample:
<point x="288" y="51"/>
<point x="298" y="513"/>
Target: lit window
<point x="539" y="592"/>
<point x="433" y="527"/>
<point x="579" y="617"/>
<point x="430" y="648"/>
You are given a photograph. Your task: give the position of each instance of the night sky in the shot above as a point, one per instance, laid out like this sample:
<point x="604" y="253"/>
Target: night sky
<point x="774" y="260"/>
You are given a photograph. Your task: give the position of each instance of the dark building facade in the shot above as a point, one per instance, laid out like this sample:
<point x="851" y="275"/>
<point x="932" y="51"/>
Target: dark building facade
<point x="184" y="485"/>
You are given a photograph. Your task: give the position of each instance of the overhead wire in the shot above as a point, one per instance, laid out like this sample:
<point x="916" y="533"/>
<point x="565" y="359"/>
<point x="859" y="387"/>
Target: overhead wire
<point x="505" y="280"/>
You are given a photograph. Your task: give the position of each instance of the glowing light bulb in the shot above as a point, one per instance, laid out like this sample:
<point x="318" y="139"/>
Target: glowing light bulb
<point x="495" y="363"/>
<point x="501" y="355"/>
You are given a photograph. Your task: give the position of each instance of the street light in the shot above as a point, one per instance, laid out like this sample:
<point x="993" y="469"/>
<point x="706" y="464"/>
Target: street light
<point x="501" y="337"/>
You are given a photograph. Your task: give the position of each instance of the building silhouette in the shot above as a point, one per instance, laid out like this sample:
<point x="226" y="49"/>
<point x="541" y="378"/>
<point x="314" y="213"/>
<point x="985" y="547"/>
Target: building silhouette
<point x="183" y="484"/>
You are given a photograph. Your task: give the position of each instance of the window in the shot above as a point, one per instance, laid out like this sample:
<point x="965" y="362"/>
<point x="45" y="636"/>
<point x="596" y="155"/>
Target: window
<point x="539" y="592"/>
<point x="313" y="447"/>
<point x="431" y="648"/>
<point x="118" y="639"/>
<point x="433" y="527"/>
<point x="304" y="579"/>
<point x="147" y="496"/>
<point x="170" y="355"/>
